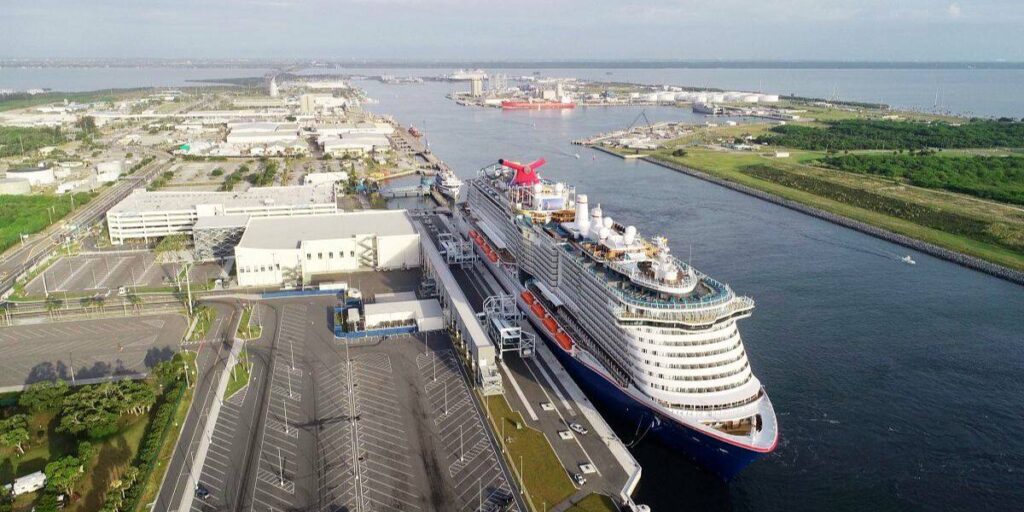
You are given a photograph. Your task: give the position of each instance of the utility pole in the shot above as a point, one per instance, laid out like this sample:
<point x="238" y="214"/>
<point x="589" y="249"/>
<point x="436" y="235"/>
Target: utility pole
<point x="280" y="461"/>
<point x="285" y="402"/>
<point x="188" y="286"/>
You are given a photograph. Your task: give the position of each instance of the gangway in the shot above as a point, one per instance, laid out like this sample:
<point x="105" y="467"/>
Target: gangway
<point x="503" y="323"/>
<point x="457" y="251"/>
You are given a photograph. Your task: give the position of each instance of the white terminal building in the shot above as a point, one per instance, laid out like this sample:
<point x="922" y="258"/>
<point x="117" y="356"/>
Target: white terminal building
<point x="300" y="251"/>
<point x="356" y="139"/>
<point x="145" y="215"/>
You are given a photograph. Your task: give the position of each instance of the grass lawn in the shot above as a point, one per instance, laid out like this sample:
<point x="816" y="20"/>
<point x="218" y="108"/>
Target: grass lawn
<point x="239" y="375"/>
<point x="545" y="480"/>
<point x="594" y="503"/>
<point x="156" y="476"/>
<point x="246" y="330"/>
<point x="728" y="165"/>
<point x="115" y="455"/>
<point x="32" y="214"/>
<point x="205" y="316"/>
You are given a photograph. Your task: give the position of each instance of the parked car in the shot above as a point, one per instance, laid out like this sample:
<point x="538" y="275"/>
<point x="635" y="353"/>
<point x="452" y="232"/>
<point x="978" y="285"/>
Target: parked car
<point x="579" y="479"/>
<point x="579" y="429"/>
<point x="202" y="492"/>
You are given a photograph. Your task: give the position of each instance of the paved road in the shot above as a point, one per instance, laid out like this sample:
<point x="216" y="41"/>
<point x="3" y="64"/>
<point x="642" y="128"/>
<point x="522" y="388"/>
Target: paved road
<point x="213" y="354"/>
<point x="39" y="246"/>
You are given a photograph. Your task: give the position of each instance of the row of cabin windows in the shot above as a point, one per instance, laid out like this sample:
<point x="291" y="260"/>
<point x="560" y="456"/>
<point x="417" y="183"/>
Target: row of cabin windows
<point x="261" y="268"/>
<point x="330" y="255"/>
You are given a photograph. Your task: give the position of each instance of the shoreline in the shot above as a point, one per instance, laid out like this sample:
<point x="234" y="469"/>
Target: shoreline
<point x="964" y="260"/>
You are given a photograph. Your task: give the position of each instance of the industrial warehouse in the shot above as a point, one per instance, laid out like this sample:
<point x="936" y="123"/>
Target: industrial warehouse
<point x="298" y="251"/>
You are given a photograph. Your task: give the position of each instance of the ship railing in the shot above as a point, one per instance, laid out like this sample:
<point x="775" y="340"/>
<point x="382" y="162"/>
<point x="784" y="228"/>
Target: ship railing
<point x="702" y="315"/>
<point x="687" y="284"/>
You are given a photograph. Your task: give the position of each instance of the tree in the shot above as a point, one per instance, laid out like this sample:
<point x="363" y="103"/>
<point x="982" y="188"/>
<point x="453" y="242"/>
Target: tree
<point x="168" y="372"/>
<point x="97" y="409"/>
<point x="63" y="474"/>
<point x="14" y="432"/>
<point x="6" y="499"/>
<point x="87" y="450"/>
<point x="87" y="124"/>
<point x="134" y="300"/>
<point x="53" y="304"/>
<point x="44" y="396"/>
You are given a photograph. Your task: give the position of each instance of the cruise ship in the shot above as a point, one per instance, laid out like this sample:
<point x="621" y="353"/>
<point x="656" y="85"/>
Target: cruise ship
<point x="447" y="183"/>
<point x="641" y="331"/>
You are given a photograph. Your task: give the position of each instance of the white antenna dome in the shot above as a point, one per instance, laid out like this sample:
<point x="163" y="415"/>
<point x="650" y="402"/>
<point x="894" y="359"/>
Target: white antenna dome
<point x="608" y="223"/>
<point x="559" y="187"/>
<point x="630" y="235"/>
<point x="604" y="233"/>
<point x="537" y="188"/>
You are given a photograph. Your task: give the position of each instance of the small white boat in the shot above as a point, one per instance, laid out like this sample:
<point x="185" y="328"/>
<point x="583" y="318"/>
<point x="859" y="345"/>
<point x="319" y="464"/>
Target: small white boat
<point x="908" y="260"/>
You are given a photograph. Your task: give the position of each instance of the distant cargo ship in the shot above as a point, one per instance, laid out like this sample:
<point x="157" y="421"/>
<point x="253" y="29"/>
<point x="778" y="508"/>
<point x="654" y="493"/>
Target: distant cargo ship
<point x="707" y="108"/>
<point x="466" y="75"/>
<point x="536" y="105"/>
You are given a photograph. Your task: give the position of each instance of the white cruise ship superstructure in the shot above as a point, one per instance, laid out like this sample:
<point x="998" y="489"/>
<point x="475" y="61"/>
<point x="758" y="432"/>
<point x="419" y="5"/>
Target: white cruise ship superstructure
<point x="642" y="331"/>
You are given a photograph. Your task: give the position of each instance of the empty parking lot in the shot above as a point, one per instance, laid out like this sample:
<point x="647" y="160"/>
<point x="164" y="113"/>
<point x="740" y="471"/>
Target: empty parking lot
<point x="368" y="428"/>
<point x="101" y="272"/>
<point x="88" y="348"/>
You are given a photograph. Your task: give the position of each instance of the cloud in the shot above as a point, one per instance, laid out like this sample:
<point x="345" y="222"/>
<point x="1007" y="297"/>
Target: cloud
<point x="953" y="10"/>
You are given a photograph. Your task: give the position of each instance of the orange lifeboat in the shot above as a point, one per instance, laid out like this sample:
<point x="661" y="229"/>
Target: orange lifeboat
<point x="564" y="340"/>
<point x="551" y="324"/>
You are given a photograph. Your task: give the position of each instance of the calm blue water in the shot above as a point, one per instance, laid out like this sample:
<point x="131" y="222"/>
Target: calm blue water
<point x="982" y="92"/>
<point x="975" y="92"/>
<point x="897" y="387"/>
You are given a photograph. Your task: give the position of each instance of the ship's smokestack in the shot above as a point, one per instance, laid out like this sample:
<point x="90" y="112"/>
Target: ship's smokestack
<point x="582" y="215"/>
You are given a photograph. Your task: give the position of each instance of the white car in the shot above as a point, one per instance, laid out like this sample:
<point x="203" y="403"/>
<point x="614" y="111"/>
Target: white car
<point x="579" y="479"/>
<point x="579" y="429"/>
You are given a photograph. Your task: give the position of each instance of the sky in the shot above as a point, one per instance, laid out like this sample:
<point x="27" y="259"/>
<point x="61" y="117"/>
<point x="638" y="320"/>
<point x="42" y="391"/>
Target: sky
<point x="425" y="30"/>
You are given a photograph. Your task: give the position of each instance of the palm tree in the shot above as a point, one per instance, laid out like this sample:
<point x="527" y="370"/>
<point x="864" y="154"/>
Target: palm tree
<point x="86" y="303"/>
<point x="53" y="304"/>
<point x="135" y="301"/>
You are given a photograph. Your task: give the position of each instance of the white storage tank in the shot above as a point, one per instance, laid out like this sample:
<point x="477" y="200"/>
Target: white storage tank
<point x="750" y="98"/>
<point x="35" y="175"/>
<point x="716" y="98"/>
<point x="667" y="97"/>
<point x="768" y="98"/>
<point x="15" y="187"/>
<point x="651" y="97"/>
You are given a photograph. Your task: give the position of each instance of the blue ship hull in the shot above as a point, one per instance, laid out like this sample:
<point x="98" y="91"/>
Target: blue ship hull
<point x="721" y="458"/>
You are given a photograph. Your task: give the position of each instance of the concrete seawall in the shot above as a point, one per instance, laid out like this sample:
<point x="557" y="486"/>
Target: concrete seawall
<point x="1014" y="276"/>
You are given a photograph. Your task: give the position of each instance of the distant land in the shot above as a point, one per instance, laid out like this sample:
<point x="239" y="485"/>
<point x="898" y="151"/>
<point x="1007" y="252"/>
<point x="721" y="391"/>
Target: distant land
<point x="508" y="64"/>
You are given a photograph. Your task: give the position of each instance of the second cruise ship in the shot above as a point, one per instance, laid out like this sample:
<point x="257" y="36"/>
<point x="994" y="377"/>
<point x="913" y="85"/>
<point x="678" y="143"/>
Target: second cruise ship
<point x="640" y="330"/>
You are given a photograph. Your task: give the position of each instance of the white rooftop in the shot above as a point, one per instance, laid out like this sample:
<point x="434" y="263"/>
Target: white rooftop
<point x="417" y="308"/>
<point x="290" y="232"/>
<point x="140" y="200"/>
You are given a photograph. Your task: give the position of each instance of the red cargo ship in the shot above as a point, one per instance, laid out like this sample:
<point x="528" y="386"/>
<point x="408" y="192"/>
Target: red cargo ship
<point x="535" y="105"/>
